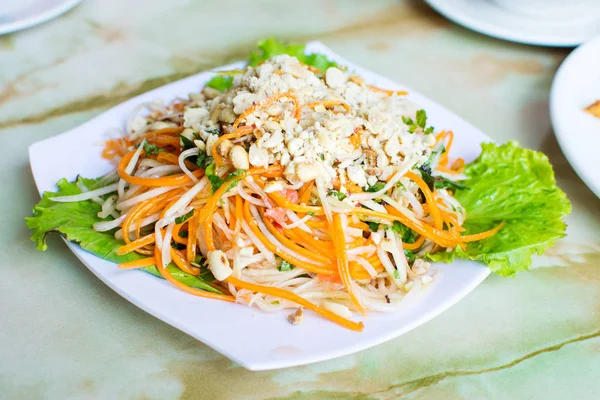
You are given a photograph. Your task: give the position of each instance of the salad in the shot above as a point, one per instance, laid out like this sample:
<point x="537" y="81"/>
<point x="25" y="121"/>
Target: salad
<point x="294" y="184"/>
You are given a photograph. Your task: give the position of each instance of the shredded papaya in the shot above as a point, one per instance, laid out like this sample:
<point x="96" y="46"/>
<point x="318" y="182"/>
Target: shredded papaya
<point x="287" y="295"/>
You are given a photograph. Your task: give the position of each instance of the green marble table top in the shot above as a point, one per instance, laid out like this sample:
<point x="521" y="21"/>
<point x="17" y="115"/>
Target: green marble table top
<point x="64" y="334"/>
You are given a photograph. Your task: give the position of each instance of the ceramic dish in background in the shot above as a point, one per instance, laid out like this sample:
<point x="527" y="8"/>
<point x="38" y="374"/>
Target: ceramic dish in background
<point x="537" y="22"/>
<point x="575" y="87"/>
<point x="20" y="14"/>
<point x="255" y="339"/>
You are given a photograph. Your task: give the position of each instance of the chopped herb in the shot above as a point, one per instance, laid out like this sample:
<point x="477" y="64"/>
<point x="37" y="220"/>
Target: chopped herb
<point x="203" y="160"/>
<point x="410" y="256"/>
<point x="216" y="131"/>
<point x="183" y="234"/>
<point x="303" y="276"/>
<point x="438" y="182"/>
<point x="183" y="218"/>
<point x="396" y="274"/>
<point x="177" y="246"/>
<point x="312" y="214"/>
<point x="221" y="83"/>
<point x="335" y="193"/>
<point x="408" y="121"/>
<point x="214" y="179"/>
<point x="187" y="143"/>
<point x="407" y="234"/>
<point x="151" y="149"/>
<point x="420" y="123"/>
<point x="376" y="187"/>
<point x="237" y="173"/>
<point x="285" y="266"/>
<point x="373" y="226"/>
<point x="322" y="156"/>
<point x="421" y="118"/>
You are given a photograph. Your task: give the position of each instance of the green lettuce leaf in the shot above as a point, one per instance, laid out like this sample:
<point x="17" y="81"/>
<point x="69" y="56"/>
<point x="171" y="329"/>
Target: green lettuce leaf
<point x="221" y="83"/>
<point x="271" y="47"/>
<point x="516" y="186"/>
<point x="75" y="222"/>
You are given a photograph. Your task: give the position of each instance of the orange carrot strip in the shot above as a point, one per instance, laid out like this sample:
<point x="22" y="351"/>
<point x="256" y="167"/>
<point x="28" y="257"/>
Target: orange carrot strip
<point x="481" y="235"/>
<point x="437" y="236"/>
<point x="181" y="262"/>
<point x="269" y="100"/>
<point x="239" y="132"/>
<point x="196" y="292"/>
<point x="173" y="180"/>
<point x="328" y="103"/>
<point x="314" y="256"/>
<point x="213" y="201"/>
<point x="136" y="244"/>
<point x="305" y="191"/>
<point x="141" y="263"/>
<point x="207" y="227"/>
<point x="433" y="208"/>
<point x="239" y="216"/>
<point x="413" y="246"/>
<point x="191" y="240"/>
<point x="274" y="249"/>
<point x="287" y="295"/>
<point x="339" y="241"/>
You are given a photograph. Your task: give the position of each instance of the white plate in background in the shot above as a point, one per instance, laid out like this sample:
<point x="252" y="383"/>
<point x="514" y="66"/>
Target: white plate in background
<point x="257" y="340"/>
<point x="576" y="86"/>
<point x="568" y="29"/>
<point x="20" y="14"/>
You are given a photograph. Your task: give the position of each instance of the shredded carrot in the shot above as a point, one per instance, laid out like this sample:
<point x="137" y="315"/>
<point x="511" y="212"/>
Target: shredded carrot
<point x="196" y="292"/>
<point x="269" y="100"/>
<point x="207" y="227"/>
<point x="275" y="250"/>
<point x="356" y="138"/>
<point x="437" y="236"/>
<point x="339" y="242"/>
<point x="239" y="213"/>
<point x="141" y="263"/>
<point x="413" y="246"/>
<point x="305" y="191"/>
<point x="166" y="141"/>
<point x="172" y="180"/>
<point x="191" y="239"/>
<point x="433" y="208"/>
<point x="135" y="245"/>
<point x="287" y="295"/>
<point x="213" y="201"/>
<point x="176" y="237"/>
<point x="238" y="133"/>
<point x="458" y="165"/>
<point x="315" y="257"/>
<point x="173" y="131"/>
<point x="183" y="264"/>
<point x="328" y="103"/>
<point x="115" y="148"/>
<point x="482" y="235"/>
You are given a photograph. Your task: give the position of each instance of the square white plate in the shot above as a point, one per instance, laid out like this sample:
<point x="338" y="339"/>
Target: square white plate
<point x="248" y="336"/>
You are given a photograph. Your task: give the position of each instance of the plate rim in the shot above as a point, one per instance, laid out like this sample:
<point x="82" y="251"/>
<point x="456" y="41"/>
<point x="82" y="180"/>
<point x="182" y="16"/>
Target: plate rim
<point x="463" y="17"/>
<point x="562" y="75"/>
<point x="37" y="19"/>
<point x="477" y="275"/>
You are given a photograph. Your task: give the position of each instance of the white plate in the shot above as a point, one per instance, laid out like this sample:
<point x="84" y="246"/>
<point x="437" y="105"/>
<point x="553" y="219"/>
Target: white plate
<point x="576" y="86"/>
<point x="549" y="29"/>
<point x="252" y="338"/>
<point x="31" y="12"/>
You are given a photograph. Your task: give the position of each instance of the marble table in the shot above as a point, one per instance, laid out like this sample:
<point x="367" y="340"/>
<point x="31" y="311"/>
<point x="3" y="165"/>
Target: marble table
<point x="64" y="334"/>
